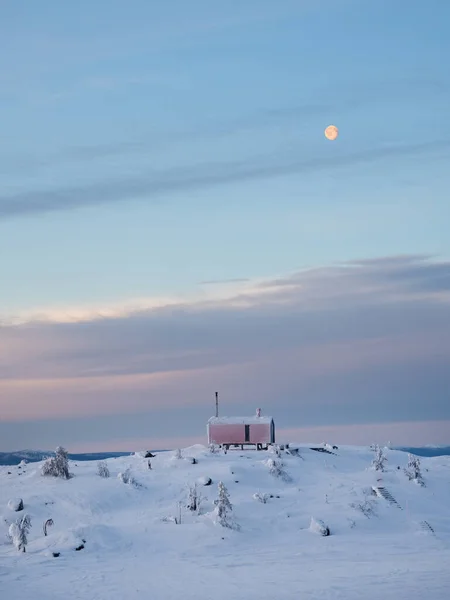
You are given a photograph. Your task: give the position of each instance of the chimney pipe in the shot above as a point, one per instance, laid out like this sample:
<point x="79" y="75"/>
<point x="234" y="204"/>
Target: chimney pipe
<point x="258" y="412"/>
<point x="217" y="404"/>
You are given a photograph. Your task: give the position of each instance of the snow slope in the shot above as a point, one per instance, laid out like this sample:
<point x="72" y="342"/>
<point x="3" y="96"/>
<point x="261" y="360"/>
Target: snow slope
<point x="130" y="552"/>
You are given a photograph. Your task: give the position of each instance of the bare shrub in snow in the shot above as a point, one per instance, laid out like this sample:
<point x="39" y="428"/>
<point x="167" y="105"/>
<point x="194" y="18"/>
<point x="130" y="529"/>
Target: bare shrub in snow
<point x="224" y="508"/>
<point x="47" y="523"/>
<point x="102" y="469"/>
<point x="169" y="520"/>
<point x="378" y="463"/>
<point x="261" y="497"/>
<point x="19" y="531"/>
<point x="276" y="468"/>
<point x="367" y="506"/>
<point x="413" y="471"/>
<point x="58" y="465"/>
<point x="213" y="448"/>
<point x="275" y="449"/>
<point x="195" y="498"/>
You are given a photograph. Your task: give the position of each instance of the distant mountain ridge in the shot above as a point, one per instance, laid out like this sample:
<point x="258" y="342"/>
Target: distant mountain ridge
<point x="426" y="451"/>
<point x="14" y="458"/>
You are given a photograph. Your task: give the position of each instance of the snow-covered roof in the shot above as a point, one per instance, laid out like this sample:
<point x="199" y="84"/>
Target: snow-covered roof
<point x="254" y="420"/>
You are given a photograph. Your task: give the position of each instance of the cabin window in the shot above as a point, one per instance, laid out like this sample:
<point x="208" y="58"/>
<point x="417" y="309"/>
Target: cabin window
<point x="247" y="433"/>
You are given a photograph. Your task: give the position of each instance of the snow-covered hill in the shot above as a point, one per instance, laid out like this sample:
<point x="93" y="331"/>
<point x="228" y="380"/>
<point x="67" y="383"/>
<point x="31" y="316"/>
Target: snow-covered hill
<point x="15" y="458"/>
<point x="395" y="548"/>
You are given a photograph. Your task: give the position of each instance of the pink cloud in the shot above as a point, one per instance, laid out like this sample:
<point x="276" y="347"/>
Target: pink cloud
<point x="41" y="398"/>
<point x="88" y="396"/>
<point x="137" y="444"/>
<point x="369" y="339"/>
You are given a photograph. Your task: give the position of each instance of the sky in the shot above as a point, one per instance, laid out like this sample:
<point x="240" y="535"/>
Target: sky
<point x="173" y="221"/>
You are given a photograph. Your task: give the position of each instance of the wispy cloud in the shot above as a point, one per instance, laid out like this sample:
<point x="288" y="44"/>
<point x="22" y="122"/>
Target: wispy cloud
<point x="150" y="186"/>
<point x="224" y="281"/>
<point x="338" y="101"/>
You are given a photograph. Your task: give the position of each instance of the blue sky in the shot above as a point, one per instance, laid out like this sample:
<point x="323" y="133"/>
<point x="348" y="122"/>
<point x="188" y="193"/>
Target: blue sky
<point x="147" y="149"/>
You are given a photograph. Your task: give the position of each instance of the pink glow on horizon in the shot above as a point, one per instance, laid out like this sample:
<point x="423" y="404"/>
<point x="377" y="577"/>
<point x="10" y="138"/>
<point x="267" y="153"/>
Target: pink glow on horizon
<point x="420" y="433"/>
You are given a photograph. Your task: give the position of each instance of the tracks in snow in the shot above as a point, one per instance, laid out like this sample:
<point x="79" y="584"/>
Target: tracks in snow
<point x="382" y="492"/>
<point x="425" y="526"/>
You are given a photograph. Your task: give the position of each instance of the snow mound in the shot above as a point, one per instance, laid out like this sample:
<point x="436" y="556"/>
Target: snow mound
<point x="204" y="480"/>
<point x="15" y="504"/>
<point x="318" y="526"/>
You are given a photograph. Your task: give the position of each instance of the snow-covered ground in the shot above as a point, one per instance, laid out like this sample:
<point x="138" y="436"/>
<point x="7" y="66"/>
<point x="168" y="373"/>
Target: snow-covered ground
<point x="130" y="552"/>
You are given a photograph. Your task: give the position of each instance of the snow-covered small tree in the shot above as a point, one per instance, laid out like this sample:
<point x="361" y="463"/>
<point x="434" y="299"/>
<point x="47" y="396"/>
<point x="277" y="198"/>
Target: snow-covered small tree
<point x="62" y="462"/>
<point x="224" y="508"/>
<point x="178" y="454"/>
<point x="378" y="463"/>
<point x="102" y="469"/>
<point x="413" y="471"/>
<point x="213" y="448"/>
<point x="58" y="465"/>
<point x="127" y="477"/>
<point x="18" y="532"/>
<point x="276" y="468"/>
<point x="195" y="498"/>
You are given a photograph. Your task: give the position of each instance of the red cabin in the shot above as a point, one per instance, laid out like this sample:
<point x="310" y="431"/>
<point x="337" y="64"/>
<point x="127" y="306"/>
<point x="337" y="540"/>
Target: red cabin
<point x="240" y="431"/>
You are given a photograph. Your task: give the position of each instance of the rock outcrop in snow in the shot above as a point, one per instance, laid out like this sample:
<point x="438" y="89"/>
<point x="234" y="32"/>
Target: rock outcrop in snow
<point x="15" y="504"/>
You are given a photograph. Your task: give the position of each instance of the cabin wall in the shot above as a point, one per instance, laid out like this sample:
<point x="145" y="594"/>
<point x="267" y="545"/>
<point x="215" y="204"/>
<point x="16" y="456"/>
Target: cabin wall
<point x="260" y="434"/>
<point x="227" y="434"/>
<point x="235" y="434"/>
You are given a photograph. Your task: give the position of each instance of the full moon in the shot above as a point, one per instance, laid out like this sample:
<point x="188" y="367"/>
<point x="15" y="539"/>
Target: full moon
<point x="331" y="132"/>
